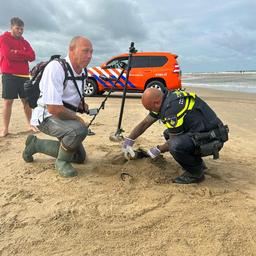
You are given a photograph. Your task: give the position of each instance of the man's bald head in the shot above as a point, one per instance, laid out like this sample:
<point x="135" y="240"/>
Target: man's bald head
<point x="80" y="52"/>
<point x="152" y="99"/>
<point x="78" y="40"/>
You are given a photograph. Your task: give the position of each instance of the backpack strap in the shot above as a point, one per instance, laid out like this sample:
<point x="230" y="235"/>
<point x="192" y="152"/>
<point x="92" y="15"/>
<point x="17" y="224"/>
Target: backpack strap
<point x="73" y="78"/>
<point x="66" y="67"/>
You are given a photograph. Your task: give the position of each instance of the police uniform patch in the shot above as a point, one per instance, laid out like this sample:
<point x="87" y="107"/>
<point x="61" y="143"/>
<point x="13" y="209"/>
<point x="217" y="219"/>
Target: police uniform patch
<point x="172" y="121"/>
<point x="181" y="101"/>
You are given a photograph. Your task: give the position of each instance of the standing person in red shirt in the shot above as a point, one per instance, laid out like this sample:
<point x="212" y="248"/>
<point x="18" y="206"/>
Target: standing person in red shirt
<point x="15" y="54"/>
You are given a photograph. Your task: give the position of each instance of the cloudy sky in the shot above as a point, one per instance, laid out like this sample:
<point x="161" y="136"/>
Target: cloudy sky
<point x="207" y="35"/>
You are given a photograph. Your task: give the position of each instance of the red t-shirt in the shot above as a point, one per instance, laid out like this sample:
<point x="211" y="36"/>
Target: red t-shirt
<point x="15" y="53"/>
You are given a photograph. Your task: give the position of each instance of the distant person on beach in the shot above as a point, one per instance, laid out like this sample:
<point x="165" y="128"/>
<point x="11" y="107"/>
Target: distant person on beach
<point x="193" y="131"/>
<point x="15" y="53"/>
<point x="53" y="115"/>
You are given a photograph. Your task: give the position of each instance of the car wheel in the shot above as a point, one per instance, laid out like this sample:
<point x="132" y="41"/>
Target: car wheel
<point x="90" y="88"/>
<point x="156" y="84"/>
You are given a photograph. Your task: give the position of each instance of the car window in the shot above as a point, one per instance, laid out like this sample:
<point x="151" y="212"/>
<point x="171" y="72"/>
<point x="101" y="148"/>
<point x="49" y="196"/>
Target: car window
<point x="148" y="61"/>
<point x="117" y="63"/>
<point x="138" y="62"/>
<point x="157" y="61"/>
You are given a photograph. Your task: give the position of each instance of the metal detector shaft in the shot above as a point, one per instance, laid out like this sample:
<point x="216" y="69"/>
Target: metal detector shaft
<point x="131" y="51"/>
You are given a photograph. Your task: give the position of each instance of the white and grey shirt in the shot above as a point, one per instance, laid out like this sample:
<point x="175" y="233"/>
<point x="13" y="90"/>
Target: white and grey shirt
<point x="53" y="91"/>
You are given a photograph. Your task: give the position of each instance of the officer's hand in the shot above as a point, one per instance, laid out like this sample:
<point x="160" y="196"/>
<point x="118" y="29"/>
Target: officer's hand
<point x="154" y="152"/>
<point x="127" y="148"/>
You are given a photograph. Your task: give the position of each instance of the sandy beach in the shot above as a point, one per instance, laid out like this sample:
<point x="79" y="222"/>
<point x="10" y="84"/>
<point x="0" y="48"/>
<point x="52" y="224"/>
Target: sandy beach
<point x="99" y="214"/>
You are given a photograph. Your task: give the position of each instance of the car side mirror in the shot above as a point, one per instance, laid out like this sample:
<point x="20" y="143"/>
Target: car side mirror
<point x="104" y="66"/>
<point x="122" y="64"/>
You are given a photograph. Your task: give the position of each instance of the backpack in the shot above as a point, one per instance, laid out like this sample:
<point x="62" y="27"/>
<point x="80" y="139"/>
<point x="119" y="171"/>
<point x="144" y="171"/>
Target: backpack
<point x="31" y="86"/>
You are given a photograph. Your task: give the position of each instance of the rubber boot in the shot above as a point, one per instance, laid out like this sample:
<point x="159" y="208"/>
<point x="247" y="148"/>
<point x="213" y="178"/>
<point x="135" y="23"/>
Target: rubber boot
<point x="35" y="145"/>
<point x="80" y="155"/>
<point x="50" y="148"/>
<point x="63" y="163"/>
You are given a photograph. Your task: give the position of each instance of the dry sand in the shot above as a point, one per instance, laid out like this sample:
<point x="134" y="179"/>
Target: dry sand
<point x="99" y="214"/>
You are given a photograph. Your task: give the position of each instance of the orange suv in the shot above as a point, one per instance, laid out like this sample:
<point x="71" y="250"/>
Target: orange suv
<point x="148" y="69"/>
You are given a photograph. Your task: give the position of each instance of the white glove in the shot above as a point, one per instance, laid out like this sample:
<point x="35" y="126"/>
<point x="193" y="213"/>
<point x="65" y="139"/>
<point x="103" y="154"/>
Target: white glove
<point x="154" y="152"/>
<point x="127" y="148"/>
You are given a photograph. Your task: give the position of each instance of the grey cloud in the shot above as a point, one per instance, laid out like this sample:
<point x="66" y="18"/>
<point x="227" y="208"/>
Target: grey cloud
<point x="49" y="25"/>
<point x="206" y="35"/>
<point x="240" y="41"/>
<point x="37" y="15"/>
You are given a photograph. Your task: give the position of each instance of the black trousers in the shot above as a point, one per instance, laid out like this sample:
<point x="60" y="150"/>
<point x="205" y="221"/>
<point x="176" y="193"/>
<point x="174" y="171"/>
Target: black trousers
<point x="13" y="86"/>
<point x="182" y="149"/>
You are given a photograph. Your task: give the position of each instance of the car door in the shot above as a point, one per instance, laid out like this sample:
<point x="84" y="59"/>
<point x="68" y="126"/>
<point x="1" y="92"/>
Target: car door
<point x="114" y="69"/>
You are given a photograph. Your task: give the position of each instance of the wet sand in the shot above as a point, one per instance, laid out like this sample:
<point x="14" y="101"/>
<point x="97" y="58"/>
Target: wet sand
<point x="98" y="213"/>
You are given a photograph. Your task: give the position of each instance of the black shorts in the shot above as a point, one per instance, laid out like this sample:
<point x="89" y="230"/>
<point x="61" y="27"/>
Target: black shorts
<point x="13" y="86"/>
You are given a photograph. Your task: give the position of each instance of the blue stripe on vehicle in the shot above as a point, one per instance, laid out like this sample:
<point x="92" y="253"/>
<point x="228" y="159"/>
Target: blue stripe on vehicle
<point x="100" y="81"/>
<point x="128" y="82"/>
<point x="111" y="82"/>
<point x="119" y="82"/>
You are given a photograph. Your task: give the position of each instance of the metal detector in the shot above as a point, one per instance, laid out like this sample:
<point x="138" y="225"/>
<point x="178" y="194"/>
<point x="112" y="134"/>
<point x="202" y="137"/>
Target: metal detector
<point x="118" y="134"/>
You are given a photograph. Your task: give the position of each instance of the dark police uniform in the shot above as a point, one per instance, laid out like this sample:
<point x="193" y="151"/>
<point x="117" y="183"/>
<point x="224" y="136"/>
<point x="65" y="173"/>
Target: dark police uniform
<point x="185" y="114"/>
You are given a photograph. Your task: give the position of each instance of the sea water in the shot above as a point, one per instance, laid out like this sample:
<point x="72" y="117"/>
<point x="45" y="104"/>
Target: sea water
<point x="228" y="81"/>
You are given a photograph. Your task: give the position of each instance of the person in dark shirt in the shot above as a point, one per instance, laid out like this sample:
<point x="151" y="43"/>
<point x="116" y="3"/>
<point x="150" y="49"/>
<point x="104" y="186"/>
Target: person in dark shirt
<point x="193" y="131"/>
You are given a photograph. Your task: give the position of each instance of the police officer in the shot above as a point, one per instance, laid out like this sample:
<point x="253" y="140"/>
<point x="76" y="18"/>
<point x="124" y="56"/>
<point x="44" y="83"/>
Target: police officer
<point x="186" y="117"/>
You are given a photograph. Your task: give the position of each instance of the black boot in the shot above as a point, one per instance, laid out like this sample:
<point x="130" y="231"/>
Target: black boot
<point x="188" y="178"/>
